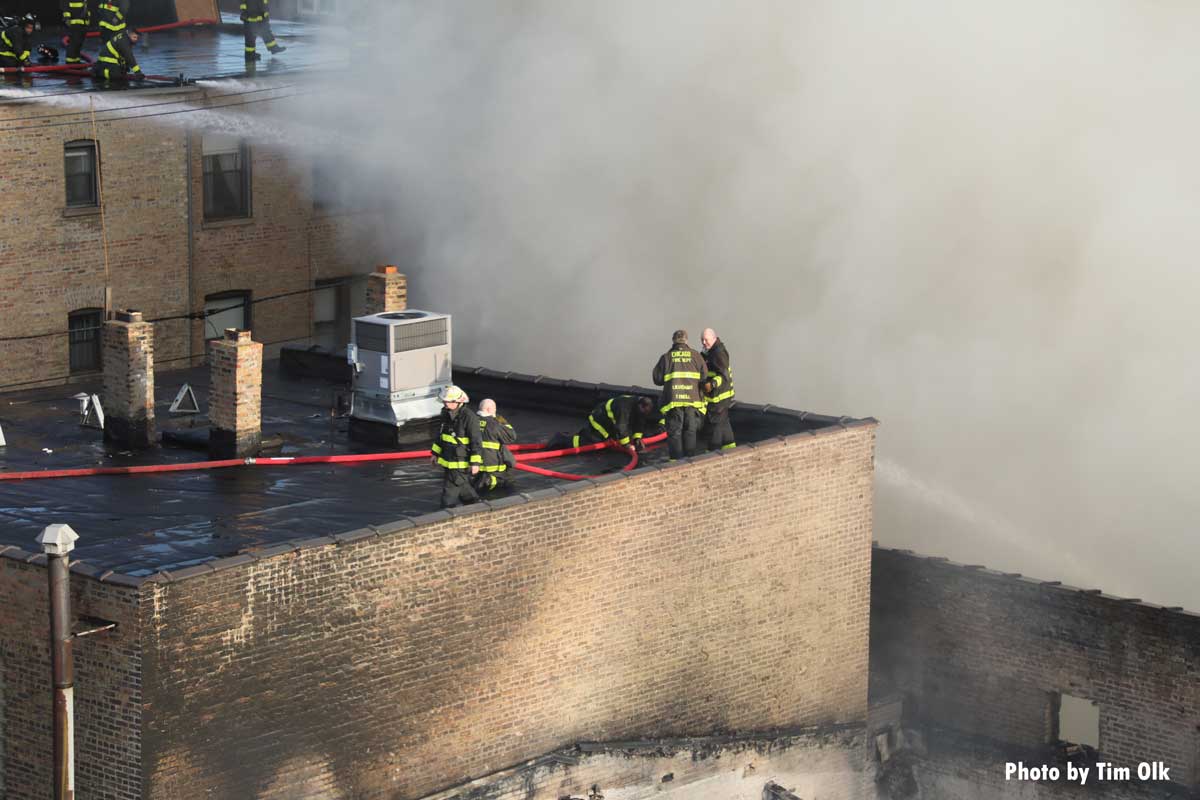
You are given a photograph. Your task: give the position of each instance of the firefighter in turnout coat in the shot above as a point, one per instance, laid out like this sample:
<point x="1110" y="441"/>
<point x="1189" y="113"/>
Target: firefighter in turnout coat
<point x="457" y="448"/>
<point x="681" y="372"/>
<point x="718" y="392"/>
<point x="498" y="461"/>
<point x="256" y="22"/>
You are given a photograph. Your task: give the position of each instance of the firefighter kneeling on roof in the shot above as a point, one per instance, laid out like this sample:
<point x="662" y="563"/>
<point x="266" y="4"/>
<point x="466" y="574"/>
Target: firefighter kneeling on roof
<point x="457" y="448"/>
<point x="623" y="419"/>
<point x="116" y="60"/>
<point x="498" y="461"/>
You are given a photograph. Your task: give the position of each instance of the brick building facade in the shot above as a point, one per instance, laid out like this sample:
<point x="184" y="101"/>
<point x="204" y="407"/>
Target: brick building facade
<point x="191" y="220"/>
<point x="725" y="593"/>
<point x="996" y="657"/>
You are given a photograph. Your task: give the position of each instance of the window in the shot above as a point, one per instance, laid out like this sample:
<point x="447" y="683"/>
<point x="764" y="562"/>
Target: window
<point x="83" y="328"/>
<point x="331" y="314"/>
<point x="226" y="177"/>
<point x="1078" y="721"/>
<point x="226" y="310"/>
<point x="81" y="172"/>
<point x="327" y="187"/>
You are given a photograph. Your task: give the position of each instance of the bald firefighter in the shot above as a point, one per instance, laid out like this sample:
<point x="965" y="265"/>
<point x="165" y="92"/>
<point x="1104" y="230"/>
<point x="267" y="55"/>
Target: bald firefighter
<point x="681" y="372"/>
<point x="718" y="392"/>
<point x="457" y="448"/>
<point x="498" y="461"/>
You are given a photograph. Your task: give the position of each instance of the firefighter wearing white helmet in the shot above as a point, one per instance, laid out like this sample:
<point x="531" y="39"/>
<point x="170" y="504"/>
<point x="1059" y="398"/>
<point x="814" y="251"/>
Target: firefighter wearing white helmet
<point x="457" y="448"/>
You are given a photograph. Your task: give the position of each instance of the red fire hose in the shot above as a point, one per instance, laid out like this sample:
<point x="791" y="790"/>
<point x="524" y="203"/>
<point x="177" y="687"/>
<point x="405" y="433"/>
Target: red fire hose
<point x="187" y="23"/>
<point x="285" y="461"/>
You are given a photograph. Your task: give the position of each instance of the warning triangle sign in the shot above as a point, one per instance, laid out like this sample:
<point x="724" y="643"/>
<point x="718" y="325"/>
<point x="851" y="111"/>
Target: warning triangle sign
<point x="185" y="401"/>
<point x="93" y="413"/>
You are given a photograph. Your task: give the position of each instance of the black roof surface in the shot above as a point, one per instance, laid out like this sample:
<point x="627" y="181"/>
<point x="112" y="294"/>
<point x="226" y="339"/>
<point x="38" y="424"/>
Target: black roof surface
<point x="139" y="524"/>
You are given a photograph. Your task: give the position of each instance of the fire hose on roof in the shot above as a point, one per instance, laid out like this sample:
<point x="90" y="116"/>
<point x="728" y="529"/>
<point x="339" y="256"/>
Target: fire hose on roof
<point x="538" y="454"/>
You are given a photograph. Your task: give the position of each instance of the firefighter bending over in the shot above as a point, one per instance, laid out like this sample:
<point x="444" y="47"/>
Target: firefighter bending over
<point x="681" y="372"/>
<point x="115" y="60"/>
<point x="14" y="42"/>
<point x="498" y="461"/>
<point x="718" y="392"/>
<point x="110" y="18"/>
<point x="256" y="24"/>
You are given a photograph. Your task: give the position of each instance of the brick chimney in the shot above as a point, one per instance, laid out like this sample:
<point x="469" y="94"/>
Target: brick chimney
<point x="235" y="395"/>
<point x="387" y="290"/>
<point x="128" y="397"/>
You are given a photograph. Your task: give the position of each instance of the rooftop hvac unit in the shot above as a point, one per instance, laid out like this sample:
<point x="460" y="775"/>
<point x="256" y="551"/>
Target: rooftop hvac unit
<point x="401" y="363"/>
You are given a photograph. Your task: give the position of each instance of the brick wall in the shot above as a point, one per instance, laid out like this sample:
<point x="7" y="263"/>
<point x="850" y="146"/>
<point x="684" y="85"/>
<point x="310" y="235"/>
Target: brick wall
<point x="108" y="690"/>
<point x="52" y="259"/>
<point x="983" y="652"/>
<point x="726" y="594"/>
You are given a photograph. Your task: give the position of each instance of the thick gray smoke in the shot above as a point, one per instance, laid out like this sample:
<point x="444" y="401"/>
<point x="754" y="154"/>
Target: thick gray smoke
<point x="973" y="222"/>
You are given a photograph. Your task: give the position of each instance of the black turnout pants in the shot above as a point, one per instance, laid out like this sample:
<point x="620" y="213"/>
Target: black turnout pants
<point x="682" y="426"/>
<point x="457" y="489"/>
<point x="254" y="30"/>
<point x="75" y="36"/>
<point x="719" y="431"/>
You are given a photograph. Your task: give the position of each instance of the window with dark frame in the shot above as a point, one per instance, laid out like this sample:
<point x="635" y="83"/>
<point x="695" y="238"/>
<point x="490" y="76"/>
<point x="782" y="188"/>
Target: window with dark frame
<point x="83" y="334"/>
<point x="81" y="173"/>
<point x="226" y="310"/>
<point x="226" y="177"/>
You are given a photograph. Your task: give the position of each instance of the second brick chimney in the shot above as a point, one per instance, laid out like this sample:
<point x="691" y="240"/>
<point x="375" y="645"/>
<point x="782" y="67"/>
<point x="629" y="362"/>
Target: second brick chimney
<point x="128" y="398"/>
<point x="235" y="395"/>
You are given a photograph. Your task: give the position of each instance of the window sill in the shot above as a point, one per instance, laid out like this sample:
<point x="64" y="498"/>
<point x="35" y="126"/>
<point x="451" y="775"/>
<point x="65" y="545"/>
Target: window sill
<point x="81" y="211"/>
<point x="232" y="222"/>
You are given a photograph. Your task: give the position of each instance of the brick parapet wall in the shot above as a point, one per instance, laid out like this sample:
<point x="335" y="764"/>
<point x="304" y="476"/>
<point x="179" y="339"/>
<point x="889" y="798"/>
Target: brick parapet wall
<point x="108" y="689"/>
<point x="982" y="651"/>
<point x="728" y="593"/>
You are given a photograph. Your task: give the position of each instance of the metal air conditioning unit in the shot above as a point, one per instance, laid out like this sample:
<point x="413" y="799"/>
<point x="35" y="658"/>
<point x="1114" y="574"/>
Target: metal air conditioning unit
<point x="401" y="363"/>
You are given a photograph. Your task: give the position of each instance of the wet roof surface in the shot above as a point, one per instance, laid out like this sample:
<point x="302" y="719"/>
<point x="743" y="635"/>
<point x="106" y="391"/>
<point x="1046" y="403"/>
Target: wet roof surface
<point x="138" y="524"/>
<point x="143" y="522"/>
<point x="211" y="51"/>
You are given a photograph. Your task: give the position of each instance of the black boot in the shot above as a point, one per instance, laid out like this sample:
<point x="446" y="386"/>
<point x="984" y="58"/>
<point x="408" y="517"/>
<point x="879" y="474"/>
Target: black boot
<point x="252" y="56"/>
<point x="277" y="48"/>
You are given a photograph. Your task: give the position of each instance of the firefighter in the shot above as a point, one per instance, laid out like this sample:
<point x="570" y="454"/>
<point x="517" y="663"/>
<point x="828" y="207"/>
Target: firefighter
<point x="115" y="61"/>
<point x="623" y="419"/>
<point x="76" y="18"/>
<point x="15" y="42"/>
<point x="681" y="372"/>
<point x="498" y="461"/>
<point x="457" y="448"/>
<point x="110" y="18"/>
<point x="256" y="22"/>
<point x="718" y="392"/>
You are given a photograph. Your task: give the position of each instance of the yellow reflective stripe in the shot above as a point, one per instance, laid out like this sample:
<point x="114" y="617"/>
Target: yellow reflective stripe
<point x="108" y="60"/>
<point x="675" y="376"/>
<point x="74" y="5"/>
<point x="681" y="404"/>
<point x="608" y="410"/>
<point x="437" y="448"/>
<point x="637" y="435"/>
<point x="77" y="22"/>
<point x="6" y="53"/>
<point x="492" y="445"/>
<point x="716" y="379"/>
<point x="729" y="446"/>
<point x="254" y="19"/>
<point x="476" y="459"/>
<point x="597" y="426"/>
<point x="113" y="28"/>
<point x="575" y="440"/>
<point x="624" y="440"/>
<point x="452" y="464"/>
<point x="446" y="437"/>
<point x="496" y="468"/>
<point x="722" y="396"/>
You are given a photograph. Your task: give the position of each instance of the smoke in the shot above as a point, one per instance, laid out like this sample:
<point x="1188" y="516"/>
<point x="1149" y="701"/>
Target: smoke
<point x="973" y="223"/>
